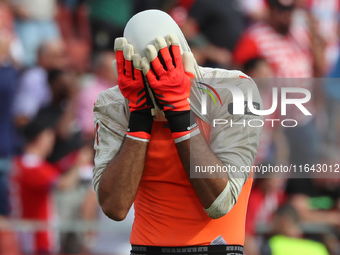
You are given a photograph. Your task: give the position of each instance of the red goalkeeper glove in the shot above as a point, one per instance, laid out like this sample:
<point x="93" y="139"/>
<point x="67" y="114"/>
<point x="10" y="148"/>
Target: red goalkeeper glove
<point x="133" y="87"/>
<point x="170" y="80"/>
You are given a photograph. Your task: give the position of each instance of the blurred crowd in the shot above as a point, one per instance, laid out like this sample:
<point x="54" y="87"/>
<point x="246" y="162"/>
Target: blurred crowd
<point x="55" y="58"/>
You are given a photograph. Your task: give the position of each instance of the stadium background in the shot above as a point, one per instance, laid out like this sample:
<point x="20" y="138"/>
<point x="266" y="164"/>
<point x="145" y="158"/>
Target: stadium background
<point x="55" y="58"/>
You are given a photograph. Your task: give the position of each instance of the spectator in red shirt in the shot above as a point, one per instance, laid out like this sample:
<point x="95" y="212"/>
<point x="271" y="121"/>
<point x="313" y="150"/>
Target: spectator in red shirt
<point x="287" y="48"/>
<point x="291" y="53"/>
<point x="33" y="180"/>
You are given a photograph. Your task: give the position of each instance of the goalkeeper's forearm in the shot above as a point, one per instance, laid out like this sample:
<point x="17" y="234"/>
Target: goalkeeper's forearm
<point x="120" y="180"/>
<point x="207" y="189"/>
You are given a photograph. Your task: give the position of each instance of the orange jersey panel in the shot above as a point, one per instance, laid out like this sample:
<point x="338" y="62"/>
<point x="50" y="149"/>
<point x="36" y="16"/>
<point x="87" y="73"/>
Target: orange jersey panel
<point x="167" y="209"/>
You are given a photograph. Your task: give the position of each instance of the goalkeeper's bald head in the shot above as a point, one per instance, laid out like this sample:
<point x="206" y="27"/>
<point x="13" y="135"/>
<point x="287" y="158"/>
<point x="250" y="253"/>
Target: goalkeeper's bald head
<point x="144" y="27"/>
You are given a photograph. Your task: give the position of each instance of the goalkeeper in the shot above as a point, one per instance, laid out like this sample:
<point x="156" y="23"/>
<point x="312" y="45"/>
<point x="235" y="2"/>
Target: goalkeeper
<point x="145" y="128"/>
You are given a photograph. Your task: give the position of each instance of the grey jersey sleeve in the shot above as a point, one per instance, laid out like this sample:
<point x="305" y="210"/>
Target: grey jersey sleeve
<point x="235" y="142"/>
<point x="111" y="122"/>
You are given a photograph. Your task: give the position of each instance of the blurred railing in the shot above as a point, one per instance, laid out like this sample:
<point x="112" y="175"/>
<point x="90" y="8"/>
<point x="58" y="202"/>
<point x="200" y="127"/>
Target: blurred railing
<point x="64" y="226"/>
<point x="122" y="227"/>
<point x="307" y="228"/>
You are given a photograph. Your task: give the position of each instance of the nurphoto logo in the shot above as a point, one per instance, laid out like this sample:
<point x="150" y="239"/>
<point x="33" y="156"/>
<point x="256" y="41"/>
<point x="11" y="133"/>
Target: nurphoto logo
<point x="244" y="104"/>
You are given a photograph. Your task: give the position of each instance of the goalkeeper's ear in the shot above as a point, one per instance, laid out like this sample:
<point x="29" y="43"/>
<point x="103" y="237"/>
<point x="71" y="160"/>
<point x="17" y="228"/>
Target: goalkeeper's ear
<point x="188" y="63"/>
<point x="114" y="66"/>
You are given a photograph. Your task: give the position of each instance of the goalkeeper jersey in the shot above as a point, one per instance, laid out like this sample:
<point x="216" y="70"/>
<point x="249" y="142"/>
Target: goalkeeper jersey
<point x="167" y="210"/>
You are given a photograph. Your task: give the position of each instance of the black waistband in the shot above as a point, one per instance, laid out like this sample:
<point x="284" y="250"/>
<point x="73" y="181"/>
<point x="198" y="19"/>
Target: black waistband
<point x="188" y="250"/>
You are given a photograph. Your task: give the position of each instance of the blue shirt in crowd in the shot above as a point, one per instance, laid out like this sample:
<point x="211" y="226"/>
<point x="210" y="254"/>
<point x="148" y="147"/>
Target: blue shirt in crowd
<point x="8" y="83"/>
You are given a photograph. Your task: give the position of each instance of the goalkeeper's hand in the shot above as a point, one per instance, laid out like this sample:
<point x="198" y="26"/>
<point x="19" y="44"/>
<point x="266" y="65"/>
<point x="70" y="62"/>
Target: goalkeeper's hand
<point x="170" y="80"/>
<point x="133" y="87"/>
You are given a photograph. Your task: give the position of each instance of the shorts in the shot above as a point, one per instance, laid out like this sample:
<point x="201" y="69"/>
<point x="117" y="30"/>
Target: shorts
<point x="188" y="250"/>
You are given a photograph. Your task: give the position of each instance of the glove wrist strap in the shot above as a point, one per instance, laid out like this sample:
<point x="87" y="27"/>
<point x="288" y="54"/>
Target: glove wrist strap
<point x="182" y="125"/>
<point x="140" y="125"/>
